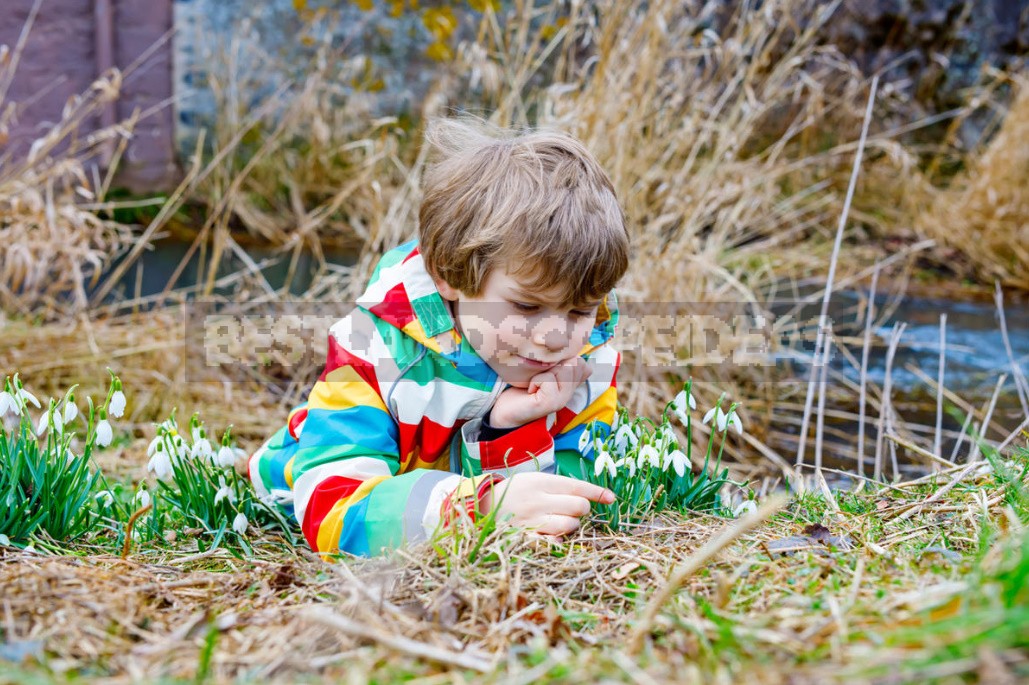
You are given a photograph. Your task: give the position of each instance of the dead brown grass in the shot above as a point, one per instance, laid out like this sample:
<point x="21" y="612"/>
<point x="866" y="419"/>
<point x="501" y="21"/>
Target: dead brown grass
<point x="984" y="211"/>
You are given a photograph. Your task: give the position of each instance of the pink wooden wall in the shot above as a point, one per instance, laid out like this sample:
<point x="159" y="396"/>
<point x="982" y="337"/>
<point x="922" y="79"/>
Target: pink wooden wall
<point x="70" y="43"/>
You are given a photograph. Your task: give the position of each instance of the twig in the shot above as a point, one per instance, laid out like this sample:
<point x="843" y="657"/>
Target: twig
<point x="1020" y="383"/>
<point x="398" y="643"/>
<point x="870" y="315"/>
<point x="886" y="408"/>
<point x="695" y="562"/>
<point x="919" y="450"/>
<point x="985" y="426"/>
<point x="823" y="315"/>
<point x="918" y="506"/>
<point x="938" y="439"/>
<point x="1014" y="434"/>
<point x="128" y="530"/>
<point x="820" y="417"/>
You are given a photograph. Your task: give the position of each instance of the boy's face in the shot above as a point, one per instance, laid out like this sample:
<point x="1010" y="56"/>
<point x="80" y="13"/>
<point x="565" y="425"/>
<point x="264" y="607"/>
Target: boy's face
<point x="517" y="332"/>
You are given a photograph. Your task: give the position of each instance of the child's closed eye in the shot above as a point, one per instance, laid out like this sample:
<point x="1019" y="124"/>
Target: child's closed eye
<point x="526" y="307"/>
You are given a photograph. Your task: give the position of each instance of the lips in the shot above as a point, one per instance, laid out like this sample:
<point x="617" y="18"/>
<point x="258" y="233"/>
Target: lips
<point x="536" y="364"/>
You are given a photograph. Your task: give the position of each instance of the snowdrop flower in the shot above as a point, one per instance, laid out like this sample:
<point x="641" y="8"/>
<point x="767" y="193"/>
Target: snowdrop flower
<point x="586" y="441"/>
<point x="24" y="397"/>
<point x="679" y="404"/>
<point x="51" y="415"/>
<point x="8" y="404"/>
<point x="604" y="461"/>
<point x="678" y="460"/>
<point x="105" y="498"/>
<point x="629" y="463"/>
<point x="104" y="434"/>
<point x="142" y="498"/>
<point x="723" y="420"/>
<point x="744" y="507"/>
<point x="160" y="464"/>
<point x="202" y="448"/>
<point x="239" y="524"/>
<point x="224" y="491"/>
<point x="625" y="438"/>
<point x="649" y="455"/>
<point x="70" y="410"/>
<point x="226" y="457"/>
<point x="117" y="405"/>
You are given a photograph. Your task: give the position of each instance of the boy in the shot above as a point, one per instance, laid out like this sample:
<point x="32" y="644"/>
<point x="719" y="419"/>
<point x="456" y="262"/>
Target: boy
<point x="474" y="360"/>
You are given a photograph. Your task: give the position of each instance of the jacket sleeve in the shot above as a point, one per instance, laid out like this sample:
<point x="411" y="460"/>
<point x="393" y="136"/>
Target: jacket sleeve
<point x="337" y="466"/>
<point x="550" y="443"/>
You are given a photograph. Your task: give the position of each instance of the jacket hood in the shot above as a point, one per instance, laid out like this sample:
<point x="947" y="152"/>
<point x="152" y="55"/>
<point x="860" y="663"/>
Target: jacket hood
<point x="401" y="293"/>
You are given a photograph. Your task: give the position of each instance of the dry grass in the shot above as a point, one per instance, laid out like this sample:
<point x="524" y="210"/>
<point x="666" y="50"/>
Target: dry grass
<point x="984" y="211"/>
<point x="785" y="603"/>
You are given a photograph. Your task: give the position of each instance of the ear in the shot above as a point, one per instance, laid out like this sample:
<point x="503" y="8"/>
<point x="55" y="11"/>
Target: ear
<point x="446" y="290"/>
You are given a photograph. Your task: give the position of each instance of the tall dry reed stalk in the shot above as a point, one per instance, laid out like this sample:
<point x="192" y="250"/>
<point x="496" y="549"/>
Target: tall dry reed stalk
<point x="52" y="240"/>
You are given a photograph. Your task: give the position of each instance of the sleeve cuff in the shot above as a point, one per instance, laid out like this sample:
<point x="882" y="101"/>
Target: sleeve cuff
<point x="530" y="446"/>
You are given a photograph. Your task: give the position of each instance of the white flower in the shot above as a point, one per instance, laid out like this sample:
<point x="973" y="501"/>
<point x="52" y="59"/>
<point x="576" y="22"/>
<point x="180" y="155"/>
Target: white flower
<point x="104" y="434"/>
<point x="50" y="415"/>
<point x="224" y="491"/>
<point x="8" y="404"/>
<point x="744" y="507"/>
<point x="226" y="457"/>
<point x="105" y="498"/>
<point x="683" y="399"/>
<point x="734" y="421"/>
<point x="604" y="461"/>
<point x="624" y="438"/>
<point x="70" y="411"/>
<point x="25" y="396"/>
<point x="117" y="405"/>
<point x="586" y="441"/>
<point x="677" y="459"/>
<point x="629" y="463"/>
<point x="202" y="448"/>
<point x="723" y="420"/>
<point x="649" y="455"/>
<point x="239" y="524"/>
<point x="679" y="404"/>
<point x="160" y="465"/>
<point x="142" y="498"/>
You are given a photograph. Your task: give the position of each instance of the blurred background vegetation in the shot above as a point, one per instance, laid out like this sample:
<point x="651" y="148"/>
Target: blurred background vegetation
<point x="729" y="130"/>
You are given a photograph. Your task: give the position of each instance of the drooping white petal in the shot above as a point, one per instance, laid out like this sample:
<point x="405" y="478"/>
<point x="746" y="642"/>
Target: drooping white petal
<point x="8" y="404"/>
<point x="201" y="449"/>
<point x="117" y="405"/>
<point x="105" y="498"/>
<point x="679" y="462"/>
<point x="226" y="457"/>
<point x="605" y="462"/>
<point x="721" y="419"/>
<point x="26" y="396"/>
<point x="584" y="440"/>
<point x="160" y="465"/>
<point x="104" y="434"/>
<point x="70" y="412"/>
<point x="650" y="456"/>
<point x="239" y="524"/>
<point x="142" y="498"/>
<point x="735" y="422"/>
<point x="709" y="415"/>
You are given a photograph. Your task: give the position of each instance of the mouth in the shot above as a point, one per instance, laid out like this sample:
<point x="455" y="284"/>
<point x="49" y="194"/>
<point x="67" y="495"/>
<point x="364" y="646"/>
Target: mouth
<point x="536" y="364"/>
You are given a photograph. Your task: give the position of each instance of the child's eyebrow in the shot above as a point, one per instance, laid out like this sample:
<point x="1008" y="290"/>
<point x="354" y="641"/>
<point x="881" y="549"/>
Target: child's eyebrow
<point x="531" y="298"/>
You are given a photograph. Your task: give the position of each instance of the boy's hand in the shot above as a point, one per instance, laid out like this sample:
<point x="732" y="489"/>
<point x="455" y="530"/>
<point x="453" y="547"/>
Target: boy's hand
<point x="547" y="393"/>
<point x="545" y="502"/>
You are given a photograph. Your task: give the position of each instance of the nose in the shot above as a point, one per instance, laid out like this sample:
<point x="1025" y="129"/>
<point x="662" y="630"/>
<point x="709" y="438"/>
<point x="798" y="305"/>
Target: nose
<point x="551" y="332"/>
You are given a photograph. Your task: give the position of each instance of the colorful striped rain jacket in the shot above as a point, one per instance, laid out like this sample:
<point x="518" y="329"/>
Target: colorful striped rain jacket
<point x="379" y="448"/>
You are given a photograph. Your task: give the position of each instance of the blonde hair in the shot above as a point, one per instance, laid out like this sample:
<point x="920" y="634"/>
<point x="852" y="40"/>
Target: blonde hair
<point x="536" y="203"/>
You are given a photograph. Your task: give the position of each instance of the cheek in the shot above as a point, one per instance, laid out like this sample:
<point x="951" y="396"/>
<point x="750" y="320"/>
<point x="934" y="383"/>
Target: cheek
<point x="581" y="333"/>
